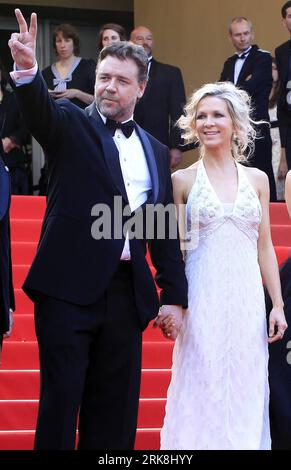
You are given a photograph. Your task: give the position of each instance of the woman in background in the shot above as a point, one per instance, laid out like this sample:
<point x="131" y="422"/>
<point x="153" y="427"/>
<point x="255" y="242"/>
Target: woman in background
<point x="109" y="33"/>
<point x="70" y="76"/>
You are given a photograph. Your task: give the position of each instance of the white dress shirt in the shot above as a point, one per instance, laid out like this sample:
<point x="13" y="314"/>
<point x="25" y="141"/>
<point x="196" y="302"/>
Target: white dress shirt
<point x="239" y="64"/>
<point x="135" y="172"/>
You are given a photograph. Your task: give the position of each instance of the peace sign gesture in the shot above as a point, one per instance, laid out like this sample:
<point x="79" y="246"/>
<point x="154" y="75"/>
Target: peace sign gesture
<point x="22" y="44"/>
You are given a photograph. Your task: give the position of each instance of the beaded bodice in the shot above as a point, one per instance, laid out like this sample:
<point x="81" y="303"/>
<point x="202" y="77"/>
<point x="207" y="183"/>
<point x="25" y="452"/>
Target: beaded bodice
<point x="206" y="213"/>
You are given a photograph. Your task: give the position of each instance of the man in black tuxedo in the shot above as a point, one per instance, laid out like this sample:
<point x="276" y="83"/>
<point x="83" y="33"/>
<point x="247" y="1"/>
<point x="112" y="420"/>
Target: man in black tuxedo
<point x="251" y="69"/>
<point x="92" y="287"/>
<point x="6" y="286"/>
<point x="283" y="61"/>
<point x="162" y="103"/>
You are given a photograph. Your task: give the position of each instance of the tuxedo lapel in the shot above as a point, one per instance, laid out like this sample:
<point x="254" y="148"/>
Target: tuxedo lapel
<point x="151" y="161"/>
<point x="231" y="69"/>
<point x="110" y="151"/>
<point x="4" y="189"/>
<point x="151" y="78"/>
<point x="285" y="62"/>
<point x="246" y="69"/>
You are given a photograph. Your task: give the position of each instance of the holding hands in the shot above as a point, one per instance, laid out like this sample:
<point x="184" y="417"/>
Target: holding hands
<point x="169" y="320"/>
<point x="22" y="44"/>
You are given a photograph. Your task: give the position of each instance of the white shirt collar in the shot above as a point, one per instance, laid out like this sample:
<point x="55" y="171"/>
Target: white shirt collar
<point x="246" y="52"/>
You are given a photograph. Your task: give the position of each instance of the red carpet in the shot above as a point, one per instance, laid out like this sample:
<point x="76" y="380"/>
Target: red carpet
<point x="19" y="376"/>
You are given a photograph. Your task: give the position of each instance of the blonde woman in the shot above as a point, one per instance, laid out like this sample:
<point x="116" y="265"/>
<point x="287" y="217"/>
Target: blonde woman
<point x="219" y="394"/>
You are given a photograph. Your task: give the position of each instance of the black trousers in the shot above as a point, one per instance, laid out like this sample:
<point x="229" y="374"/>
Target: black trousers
<point x="262" y="157"/>
<point x="90" y="362"/>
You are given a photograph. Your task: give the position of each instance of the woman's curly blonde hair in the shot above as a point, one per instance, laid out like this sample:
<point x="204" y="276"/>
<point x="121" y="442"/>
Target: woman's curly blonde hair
<point x="238" y="103"/>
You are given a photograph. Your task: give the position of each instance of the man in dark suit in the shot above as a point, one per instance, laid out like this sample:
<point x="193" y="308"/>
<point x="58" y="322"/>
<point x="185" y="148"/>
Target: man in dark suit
<point x="251" y="69"/>
<point x="92" y="287"/>
<point x="6" y="287"/>
<point x="162" y="103"/>
<point x="283" y="61"/>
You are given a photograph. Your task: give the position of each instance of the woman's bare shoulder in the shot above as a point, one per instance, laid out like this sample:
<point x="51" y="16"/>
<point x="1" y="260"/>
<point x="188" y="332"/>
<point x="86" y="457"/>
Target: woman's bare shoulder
<point x="257" y="177"/>
<point x="184" y="179"/>
<point x="185" y="174"/>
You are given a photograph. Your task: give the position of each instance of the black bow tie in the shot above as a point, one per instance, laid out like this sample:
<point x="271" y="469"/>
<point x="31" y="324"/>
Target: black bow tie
<point x="243" y="56"/>
<point x="126" y="127"/>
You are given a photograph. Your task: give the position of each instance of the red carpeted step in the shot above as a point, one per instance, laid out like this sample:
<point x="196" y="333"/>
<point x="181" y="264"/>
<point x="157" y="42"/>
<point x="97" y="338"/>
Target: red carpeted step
<point x="30" y="207"/>
<point x="25" y="230"/>
<point x="279" y="214"/>
<point x="21" y="414"/>
<point x="19" y="385"/>
<point x="24" y="384"/>
<point x="281" y="235"/>
<point x="157" y="354"/>
<point x="155" y="383"/>
<point x="23" y="304"/>
<point x="20" y="355"/>
<point x="19" y="275"/>
<point x="23" y="252"/>
<point x="18" y="415"/>
<point x="146" y="439"/>
<point x="24" y="355"/>
<point x="151" y="412"/>
<point x="23" y="328"/>
<point x="16" y="440"/>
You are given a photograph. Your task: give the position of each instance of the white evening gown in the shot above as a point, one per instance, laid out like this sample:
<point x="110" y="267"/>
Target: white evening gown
<point x="219" y="394"/>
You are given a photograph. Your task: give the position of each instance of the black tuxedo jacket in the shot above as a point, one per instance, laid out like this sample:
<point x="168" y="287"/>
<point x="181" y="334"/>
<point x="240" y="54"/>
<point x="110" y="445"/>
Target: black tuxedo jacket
<point x="258" y="64"/>
<point x="82" y="158"/>
<point x="6" y="286"/>
<point x="282" y="54"/>
<point x="162" y="104"/>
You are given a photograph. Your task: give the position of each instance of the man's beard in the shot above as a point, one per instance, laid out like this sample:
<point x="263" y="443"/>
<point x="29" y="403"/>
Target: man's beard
<point x="113" y="112"/>
<point x="107" y="110"/>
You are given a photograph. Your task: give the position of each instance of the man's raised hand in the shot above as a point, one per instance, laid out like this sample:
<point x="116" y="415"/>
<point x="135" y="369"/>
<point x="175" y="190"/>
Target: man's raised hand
<point x="22" y="44"/>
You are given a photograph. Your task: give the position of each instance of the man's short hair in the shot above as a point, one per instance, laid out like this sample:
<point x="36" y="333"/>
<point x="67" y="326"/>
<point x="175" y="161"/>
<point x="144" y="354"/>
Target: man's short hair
<point x="127" y="50"/>
<point x="285" y="8"/>
<point x="239" y="19"/>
